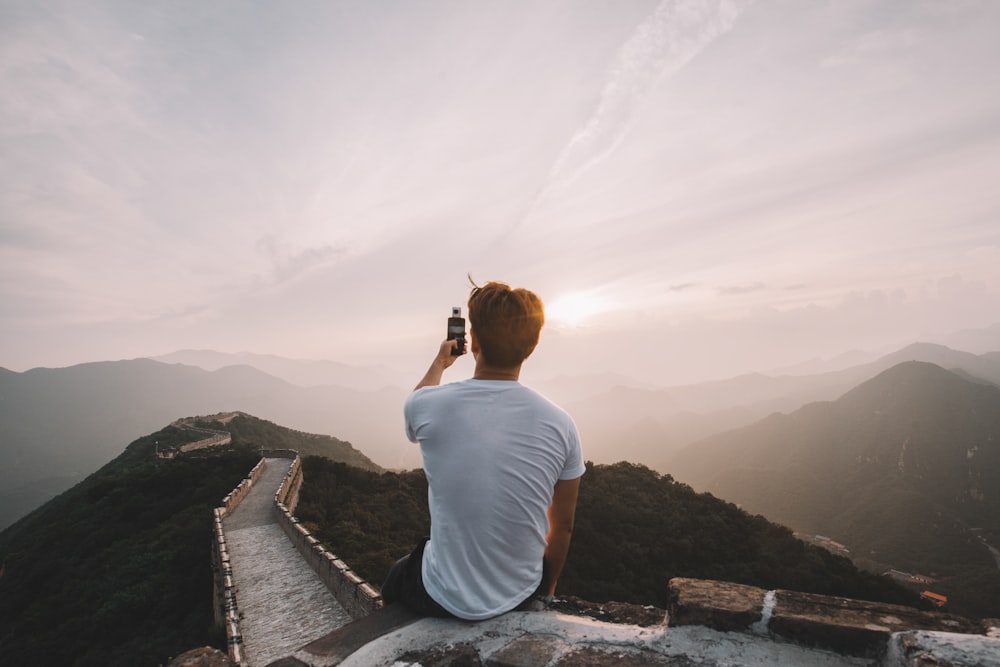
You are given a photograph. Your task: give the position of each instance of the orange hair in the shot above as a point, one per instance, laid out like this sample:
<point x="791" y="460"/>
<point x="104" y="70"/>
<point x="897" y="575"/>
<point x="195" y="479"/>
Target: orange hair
<point x="507" y="322"/>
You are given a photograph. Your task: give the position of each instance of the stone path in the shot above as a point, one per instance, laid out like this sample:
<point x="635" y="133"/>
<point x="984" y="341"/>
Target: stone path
<point x="283" y="604"/>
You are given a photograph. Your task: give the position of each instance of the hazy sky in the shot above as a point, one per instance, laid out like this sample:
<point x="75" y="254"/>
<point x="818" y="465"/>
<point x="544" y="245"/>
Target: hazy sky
<point x="695" y="188"/>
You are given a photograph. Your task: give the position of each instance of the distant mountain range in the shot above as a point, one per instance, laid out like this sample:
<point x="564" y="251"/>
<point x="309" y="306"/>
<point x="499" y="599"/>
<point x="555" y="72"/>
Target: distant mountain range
<point x="904" y="469"/>
<point x="58" y="425"/>
<point x="301" y="372"/>
<point x="650" y="425"/>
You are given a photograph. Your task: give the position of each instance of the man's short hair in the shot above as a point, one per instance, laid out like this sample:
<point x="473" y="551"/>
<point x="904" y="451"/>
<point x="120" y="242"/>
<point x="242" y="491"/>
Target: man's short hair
<point x="506" y="321"/>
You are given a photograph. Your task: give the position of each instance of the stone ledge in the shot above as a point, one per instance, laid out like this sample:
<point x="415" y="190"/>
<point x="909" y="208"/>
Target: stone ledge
<point x="942" y="649"/>
<point x="709" y="623"/>
<point x="846" y="626"/>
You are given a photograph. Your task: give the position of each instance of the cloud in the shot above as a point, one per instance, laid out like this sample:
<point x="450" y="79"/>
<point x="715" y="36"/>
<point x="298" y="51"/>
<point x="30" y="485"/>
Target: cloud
<point x="676" y="32"/>
<point x="289" y="264"/>
<point x="740" y="289"/>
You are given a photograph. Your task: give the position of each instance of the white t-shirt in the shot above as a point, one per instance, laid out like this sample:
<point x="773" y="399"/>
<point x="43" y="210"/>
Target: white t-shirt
<point x="493" y="451"/>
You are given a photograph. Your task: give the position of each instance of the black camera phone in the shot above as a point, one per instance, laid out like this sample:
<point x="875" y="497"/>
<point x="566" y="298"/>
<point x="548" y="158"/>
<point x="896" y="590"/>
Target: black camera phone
<point x="456" y="330"/>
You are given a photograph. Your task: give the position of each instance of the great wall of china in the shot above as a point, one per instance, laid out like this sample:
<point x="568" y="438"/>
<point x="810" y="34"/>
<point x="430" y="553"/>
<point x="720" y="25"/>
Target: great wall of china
<point x="707" y="622"/>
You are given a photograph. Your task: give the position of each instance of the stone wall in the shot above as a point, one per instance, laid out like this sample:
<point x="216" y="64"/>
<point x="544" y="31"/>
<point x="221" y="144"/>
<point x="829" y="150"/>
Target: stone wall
<point x="227" y="613"/>
<point x="883" y="632"/>
<point x="213" y="438"/>
<point x="355" y="595"/>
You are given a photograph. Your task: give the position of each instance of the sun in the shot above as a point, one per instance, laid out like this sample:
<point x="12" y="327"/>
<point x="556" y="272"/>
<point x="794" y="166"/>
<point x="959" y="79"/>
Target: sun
<point x="574" y="309"/>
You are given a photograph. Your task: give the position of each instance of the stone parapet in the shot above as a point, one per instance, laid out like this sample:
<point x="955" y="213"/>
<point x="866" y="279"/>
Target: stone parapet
<point x="227" y="613"/>
<point x="232" y="500"/>
<point x="845" y="626"/>
<point x="355" y="595"/>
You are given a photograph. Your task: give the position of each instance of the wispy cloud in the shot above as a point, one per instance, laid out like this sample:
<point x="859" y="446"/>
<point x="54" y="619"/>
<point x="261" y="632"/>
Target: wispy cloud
<point x="736" y="290"/>
<point x="675" y="33"/>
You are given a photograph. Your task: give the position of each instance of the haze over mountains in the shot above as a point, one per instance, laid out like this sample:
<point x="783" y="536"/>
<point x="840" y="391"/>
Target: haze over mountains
<point x="57" y="425"/>
<point x="917" y="446"/>
<point x="904" y="469"/>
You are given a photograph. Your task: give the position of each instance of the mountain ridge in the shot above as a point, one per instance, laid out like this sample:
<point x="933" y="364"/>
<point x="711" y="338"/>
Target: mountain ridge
<point x="901" y="469"/>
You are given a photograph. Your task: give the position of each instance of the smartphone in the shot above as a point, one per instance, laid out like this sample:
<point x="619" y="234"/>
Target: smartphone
<point x="456" y="330"/>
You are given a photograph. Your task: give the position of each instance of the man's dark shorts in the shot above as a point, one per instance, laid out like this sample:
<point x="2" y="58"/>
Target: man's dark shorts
<point x="405" y="583"/>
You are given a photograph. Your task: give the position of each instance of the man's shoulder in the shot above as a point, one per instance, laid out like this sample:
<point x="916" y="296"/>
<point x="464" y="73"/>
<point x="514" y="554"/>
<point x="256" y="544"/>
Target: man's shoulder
<point x="434" y="391"/>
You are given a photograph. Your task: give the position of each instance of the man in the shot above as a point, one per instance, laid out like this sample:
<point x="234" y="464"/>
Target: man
<point x="503" y="465"/>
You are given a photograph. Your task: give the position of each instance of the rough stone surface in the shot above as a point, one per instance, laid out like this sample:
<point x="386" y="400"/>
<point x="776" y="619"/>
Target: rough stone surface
<point x="942" y="649"/>
<point x="551" y="639"/>
<point x="613" y="612"/>
<point x="854" y="627"/>
<point x="849" y="627"/>
<point x="714" y="604"/>
<point x="202" y="657"/>
<point x="283" y="604"/>
<point x="527" y="651"/>
<point x="590" y="657"/>
<point x="344" y="641"/>
<point x="462" y="655"/>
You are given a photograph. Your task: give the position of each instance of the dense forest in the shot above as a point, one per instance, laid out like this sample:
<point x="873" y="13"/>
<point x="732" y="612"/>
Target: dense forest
<point x="635" y="529"/>
<point x="117" y="570"/>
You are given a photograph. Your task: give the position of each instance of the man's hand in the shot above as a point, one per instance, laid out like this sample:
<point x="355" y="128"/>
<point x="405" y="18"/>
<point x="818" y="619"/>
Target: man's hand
<point x="443" y="360"/>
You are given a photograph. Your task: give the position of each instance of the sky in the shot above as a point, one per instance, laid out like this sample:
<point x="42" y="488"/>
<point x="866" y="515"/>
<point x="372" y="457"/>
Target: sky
<point x="695" y="188"/>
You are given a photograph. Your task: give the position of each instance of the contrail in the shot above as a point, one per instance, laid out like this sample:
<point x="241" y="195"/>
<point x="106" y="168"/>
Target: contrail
<point x="676" y="32"/>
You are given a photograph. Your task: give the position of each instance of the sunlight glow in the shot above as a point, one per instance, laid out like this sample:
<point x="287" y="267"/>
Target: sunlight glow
<point x="574" y="309"/>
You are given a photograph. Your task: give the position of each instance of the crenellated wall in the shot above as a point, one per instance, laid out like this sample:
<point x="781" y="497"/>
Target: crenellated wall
<point x="355" y="595"/>
<point x="227" y="612"/>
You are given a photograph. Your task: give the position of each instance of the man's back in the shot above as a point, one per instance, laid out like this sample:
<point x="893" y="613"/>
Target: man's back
<point x="493" y="451"/>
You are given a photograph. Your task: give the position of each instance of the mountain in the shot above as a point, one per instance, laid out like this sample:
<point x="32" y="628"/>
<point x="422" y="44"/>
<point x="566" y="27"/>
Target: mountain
<point x="978" y="341"/>
<point x="116" y="570"/>
<point x="661" y="421"/>
<point x="302" y="372"/>
<point x="256" y="432"/>
<point x="901" y="469"/>
<point x="59" y="425"/>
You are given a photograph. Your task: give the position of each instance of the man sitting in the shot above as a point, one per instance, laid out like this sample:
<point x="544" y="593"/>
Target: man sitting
<point x="503" y="464"/>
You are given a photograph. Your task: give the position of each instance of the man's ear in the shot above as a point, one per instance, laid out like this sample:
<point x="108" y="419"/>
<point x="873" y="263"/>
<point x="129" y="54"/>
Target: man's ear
<point x="473" y="343"/>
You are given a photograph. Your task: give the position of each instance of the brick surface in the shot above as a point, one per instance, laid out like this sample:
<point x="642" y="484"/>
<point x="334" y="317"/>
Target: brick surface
<point x="283" y="604"/>
<point x="527" y="652"/>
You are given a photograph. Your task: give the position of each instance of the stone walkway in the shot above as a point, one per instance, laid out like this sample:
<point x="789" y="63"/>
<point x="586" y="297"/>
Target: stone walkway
<point x="283" y="604"/>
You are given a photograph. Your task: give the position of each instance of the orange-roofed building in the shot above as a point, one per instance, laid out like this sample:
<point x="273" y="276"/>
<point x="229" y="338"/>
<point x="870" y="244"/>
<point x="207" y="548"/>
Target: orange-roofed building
<point x="938" y="600"/>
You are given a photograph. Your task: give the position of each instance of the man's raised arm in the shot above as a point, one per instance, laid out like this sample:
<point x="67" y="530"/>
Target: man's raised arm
<point x="443" y="360"/>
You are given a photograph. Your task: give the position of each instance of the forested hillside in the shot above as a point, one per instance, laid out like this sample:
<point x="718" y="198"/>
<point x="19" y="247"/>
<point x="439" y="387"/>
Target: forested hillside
<point x="255" y="432"/>
<point x="117" y="570"/>
<point x="903" y="469"/>
<point x="635" y="529"/>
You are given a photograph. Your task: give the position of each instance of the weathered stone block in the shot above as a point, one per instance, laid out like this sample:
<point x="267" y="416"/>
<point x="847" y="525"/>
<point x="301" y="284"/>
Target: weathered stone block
<point x="942" y="649"/>
<point x="202" y="657"/>
<point x="460" y="655"/>
<point x="852" y="627"/>
<point x="527" y="651"/>
<point x="591" y="657"/>
<point x="715" y="604"/>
